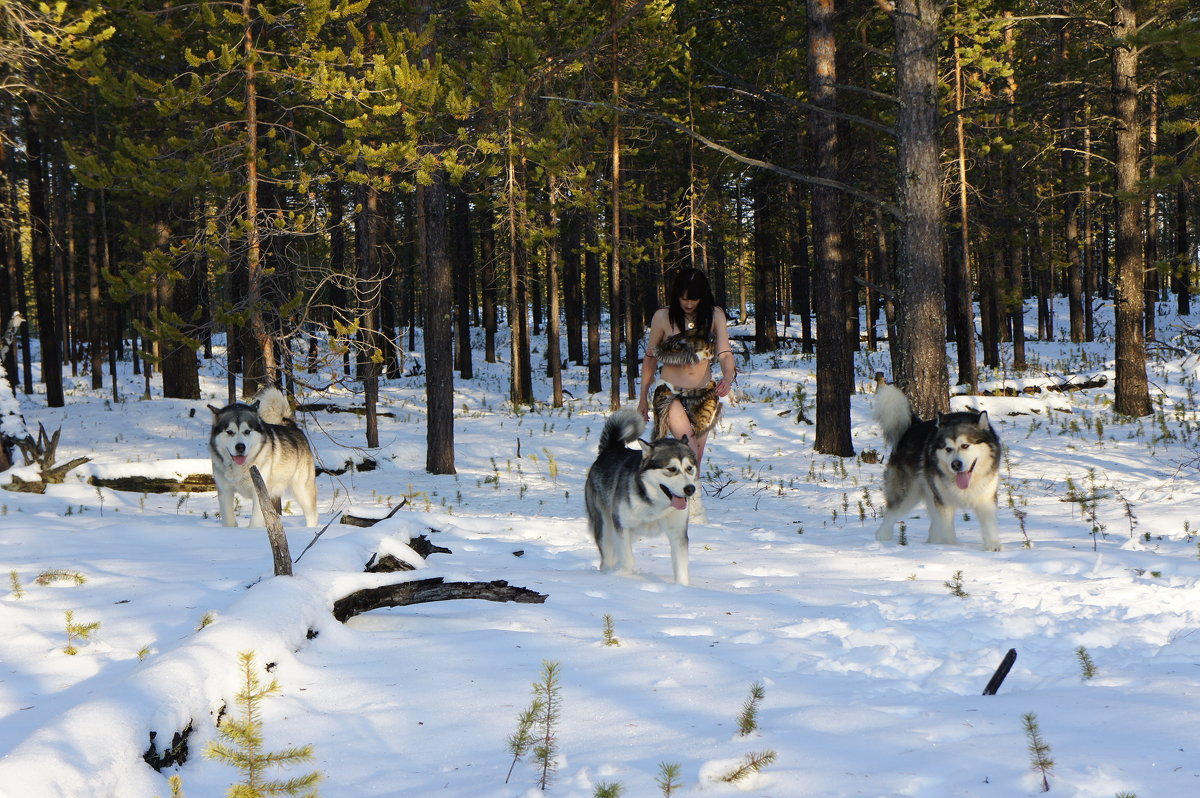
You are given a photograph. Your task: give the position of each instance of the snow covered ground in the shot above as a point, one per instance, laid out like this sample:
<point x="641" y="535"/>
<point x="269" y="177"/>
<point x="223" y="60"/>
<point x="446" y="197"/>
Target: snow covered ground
<point x="872" y="668"/>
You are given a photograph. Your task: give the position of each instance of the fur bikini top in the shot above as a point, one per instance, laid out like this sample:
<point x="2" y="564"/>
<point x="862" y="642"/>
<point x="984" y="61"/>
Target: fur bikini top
<point x="685" y="349"/>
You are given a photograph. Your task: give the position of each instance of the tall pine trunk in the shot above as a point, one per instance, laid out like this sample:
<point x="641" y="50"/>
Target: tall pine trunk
<point x="1132" y="393"/>
<point x="920" y="356"/>
<point x="438" y="328"/>
<point x="41" y="261"/>
<point x="835" y="363"/>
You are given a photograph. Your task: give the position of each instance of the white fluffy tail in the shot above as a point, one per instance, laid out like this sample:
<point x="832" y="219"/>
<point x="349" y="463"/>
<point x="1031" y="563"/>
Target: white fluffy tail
<point x="893" y="412"/>
<point x="273" y="406"/>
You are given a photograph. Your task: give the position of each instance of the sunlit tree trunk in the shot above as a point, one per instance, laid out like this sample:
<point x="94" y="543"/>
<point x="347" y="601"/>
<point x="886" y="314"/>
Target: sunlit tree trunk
<point x="1132" y="393"/>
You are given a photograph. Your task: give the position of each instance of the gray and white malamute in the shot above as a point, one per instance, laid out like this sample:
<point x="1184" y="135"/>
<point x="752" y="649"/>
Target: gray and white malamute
<point x="264" y="434"/>
<point x="951" y="463"/>
<point x="639" y="492"/>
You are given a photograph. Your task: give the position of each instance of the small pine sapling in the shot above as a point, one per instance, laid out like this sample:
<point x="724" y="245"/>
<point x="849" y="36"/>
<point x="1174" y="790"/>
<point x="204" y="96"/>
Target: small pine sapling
<point x="1087" y="668"/>
<point x="545" y="751"/>
<point x="521" y="740"/>
<point x="668" y="773"/>
<point x="176" y="784"/>
<point x="752" y="763"/>
<point x="60" y="575"/>
<point x="748" y="717"/>
<point x="609" y="789"/>
<point x="241" y="744"/>
<point x="1039" y="751"/>
<point x="610" y="639"/>
<point x="77" y="632"/>
<point x="14" y="581"/>
<point x="955" y="584"/>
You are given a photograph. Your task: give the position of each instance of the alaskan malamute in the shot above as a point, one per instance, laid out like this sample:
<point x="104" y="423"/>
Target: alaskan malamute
<point x="264" y="434"/>
<point x="949" y="463"/>
<point x="639" y="492"/>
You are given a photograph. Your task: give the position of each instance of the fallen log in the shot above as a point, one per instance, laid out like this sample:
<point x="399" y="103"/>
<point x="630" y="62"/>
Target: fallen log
<point x="358" y="520"/>
<point x="332" y="408"/>
<point x="192" y="483"/>
<point x="423" y="591"/>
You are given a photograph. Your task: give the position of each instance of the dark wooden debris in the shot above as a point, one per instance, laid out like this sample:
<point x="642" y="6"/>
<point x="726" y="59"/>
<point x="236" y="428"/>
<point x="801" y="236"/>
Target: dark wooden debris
<point x="175" y="754"/>
<point x="362" y="466"/>
<point x="356" y="520"/>
<point x="275" y="535"/>
<point x="423" y="591"/>
<point x="42" y="452"/>
<point x="998" y="677"/>
<point x="192" y="483"/>
<point x="327" y="407"/>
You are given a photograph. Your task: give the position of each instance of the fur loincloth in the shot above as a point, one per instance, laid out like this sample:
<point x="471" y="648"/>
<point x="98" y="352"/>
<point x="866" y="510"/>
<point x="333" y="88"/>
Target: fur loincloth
<point x="702" y="405"/>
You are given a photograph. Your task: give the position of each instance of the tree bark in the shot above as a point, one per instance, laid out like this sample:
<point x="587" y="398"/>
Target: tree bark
<point x="464" y="264"/>
<point x="369" y="287"/>
<point x="1132" y="392"/>
<point x="439" y="330"/>
<point x="835" y="364"/>
<point x="41" y="261"/>
<point x="426" y="590"/>
<point x="920" y="359"/>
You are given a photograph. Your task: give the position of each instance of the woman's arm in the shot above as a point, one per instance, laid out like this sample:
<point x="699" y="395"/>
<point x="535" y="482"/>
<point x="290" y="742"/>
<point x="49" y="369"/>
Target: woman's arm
<point x="725" y="356"/>
<point x="658" y="331"/>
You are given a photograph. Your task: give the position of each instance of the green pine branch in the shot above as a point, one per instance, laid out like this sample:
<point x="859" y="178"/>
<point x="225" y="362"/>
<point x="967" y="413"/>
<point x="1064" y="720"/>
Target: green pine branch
<point x="241" y="745"/>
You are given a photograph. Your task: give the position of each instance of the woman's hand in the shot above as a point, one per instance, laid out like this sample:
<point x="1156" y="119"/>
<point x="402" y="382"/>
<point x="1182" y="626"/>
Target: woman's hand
<point x="644" y="408"/>
<point x="723" y="387"/>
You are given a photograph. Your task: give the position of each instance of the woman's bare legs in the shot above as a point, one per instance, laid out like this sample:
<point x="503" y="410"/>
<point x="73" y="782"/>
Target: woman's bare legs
<point x="679" y="425"/>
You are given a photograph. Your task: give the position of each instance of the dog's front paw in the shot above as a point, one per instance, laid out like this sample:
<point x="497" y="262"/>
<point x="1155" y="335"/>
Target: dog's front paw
<point x="883" y="535"/>
<point x="993" y="545"/>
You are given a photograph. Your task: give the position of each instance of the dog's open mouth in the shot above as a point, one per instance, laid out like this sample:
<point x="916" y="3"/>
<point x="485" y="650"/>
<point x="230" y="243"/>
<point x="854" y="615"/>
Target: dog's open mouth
<point x="678" y="502"/>
<point x="963" y="478"/>
<point x="240" y="459"/>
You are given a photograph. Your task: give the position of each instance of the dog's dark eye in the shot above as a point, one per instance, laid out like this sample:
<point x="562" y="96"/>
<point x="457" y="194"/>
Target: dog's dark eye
<point x="965" y="446"/>
<point x="671" y="469"/>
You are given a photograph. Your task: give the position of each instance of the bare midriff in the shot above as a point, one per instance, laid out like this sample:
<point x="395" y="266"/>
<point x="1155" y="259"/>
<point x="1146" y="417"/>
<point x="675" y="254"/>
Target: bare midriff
<point x="696" y="376"/>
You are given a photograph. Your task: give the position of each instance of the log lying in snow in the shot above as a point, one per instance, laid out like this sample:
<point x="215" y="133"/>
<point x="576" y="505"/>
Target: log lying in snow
<point x="192" y="483"/>
<point x="331" y="408"/>
<point x="426" y="590"/>
<point x="1062" y="387"/>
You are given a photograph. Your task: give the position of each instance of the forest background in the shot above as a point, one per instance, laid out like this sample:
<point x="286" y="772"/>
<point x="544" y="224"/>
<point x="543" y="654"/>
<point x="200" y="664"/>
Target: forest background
<point x="302" y="173"/>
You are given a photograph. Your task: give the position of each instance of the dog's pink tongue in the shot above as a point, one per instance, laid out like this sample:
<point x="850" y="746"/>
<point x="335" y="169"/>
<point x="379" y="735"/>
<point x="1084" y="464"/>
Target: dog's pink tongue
<point x="679" y="502"/>
<point x="963" y="480"/>
<point x="240" y="459"/>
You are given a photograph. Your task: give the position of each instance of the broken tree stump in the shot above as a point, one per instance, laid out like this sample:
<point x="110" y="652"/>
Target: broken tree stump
<point x="423" y="591"/>
<point x="998" y="677"/>
<point x="270" y="514"/>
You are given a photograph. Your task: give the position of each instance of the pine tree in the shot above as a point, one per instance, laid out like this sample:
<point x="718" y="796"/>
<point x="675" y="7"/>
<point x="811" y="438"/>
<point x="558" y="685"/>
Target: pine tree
<point x="241" y="744"/>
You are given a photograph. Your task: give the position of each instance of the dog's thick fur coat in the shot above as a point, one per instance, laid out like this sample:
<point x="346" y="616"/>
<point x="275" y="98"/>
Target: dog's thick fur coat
<point x="949" y="463"/>
<point x="264" y="434"/>
<point x="639" y="492"/>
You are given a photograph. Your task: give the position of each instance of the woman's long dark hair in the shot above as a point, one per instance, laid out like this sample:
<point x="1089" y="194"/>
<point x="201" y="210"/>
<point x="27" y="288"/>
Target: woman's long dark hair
<point x="693" y="284"/>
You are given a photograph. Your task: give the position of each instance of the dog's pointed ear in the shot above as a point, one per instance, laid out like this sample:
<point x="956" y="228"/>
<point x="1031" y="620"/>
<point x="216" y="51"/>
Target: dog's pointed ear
<point x="216" y="410"/>
<point x="254" y="406"/>
<point x="684" y="439"/>
<point x="983" y="420"/>
<point x="645" y="449"/>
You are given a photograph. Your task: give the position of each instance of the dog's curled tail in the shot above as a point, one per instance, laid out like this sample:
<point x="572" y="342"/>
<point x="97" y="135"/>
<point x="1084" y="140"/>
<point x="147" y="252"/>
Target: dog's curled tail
<point x="622" y="428"/>
<point x="893" y="412"/>
<point x="273" y="406"/>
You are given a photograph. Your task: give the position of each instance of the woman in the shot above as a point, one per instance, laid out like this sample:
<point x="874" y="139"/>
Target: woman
<point x="685" y="337"/>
